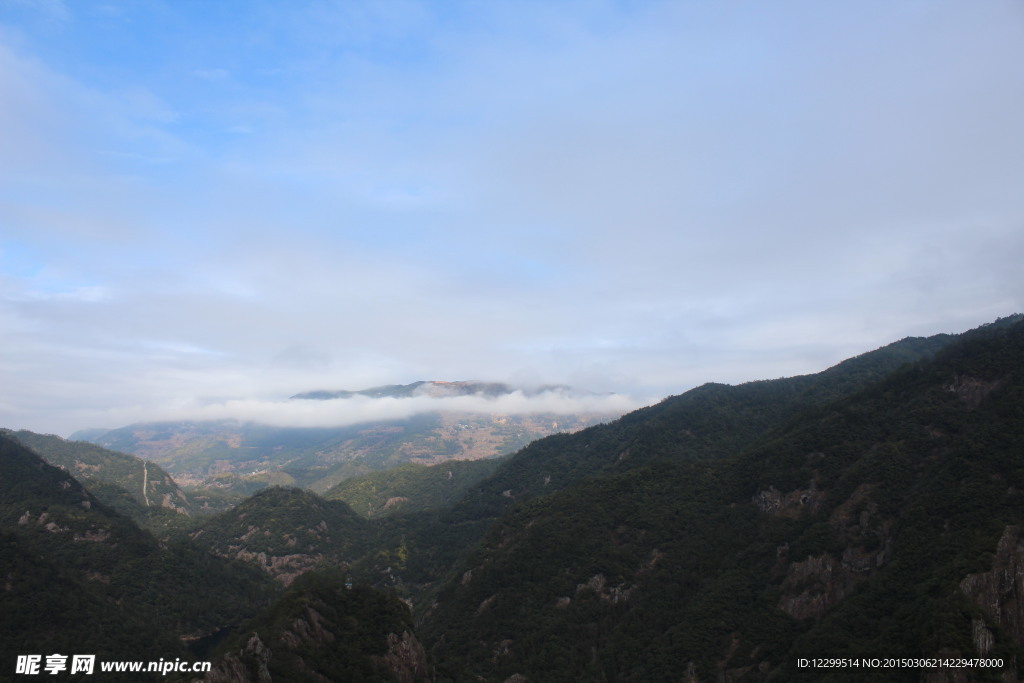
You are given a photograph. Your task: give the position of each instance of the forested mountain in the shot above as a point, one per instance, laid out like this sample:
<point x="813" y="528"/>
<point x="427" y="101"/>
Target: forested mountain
<point x="286" y="532"/>
<point x="78" y="576"/>
<point x="872" y="510"/>
<point x="243" y="457"/>
<point x="412" y="487"/>
<point x="882" y="524"/>
<point x="433" y="389"/>
<point x="708" y="422"/>
<point x="324" y="628"/>
<point x="137" y="488"/>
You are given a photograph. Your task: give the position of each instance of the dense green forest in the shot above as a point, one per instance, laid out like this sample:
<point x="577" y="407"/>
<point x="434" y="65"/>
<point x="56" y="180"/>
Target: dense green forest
<point x="80" y="577"/>
<point x="239" y="458"/>
<point x="873" y="510"/>
<point x="412" y="487"/>
<point x="134" y="487"/>
<point x="325" y="628"/>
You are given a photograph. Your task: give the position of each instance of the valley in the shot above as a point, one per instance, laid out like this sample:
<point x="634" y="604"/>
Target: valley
<point x="870" y="510"/>
<point x="231" y="458"/>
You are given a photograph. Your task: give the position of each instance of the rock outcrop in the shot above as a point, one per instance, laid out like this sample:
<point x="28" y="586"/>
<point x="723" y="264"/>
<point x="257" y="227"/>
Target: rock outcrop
<point x="406" y="658"/>
<point x="1000" y="592"/>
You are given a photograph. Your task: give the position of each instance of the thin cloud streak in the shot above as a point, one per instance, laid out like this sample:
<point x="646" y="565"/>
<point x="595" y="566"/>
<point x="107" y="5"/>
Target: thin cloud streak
<point x="361" y="409"/>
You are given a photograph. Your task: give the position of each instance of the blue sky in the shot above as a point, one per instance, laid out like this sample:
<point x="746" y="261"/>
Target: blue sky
<point x="206" y="204"/>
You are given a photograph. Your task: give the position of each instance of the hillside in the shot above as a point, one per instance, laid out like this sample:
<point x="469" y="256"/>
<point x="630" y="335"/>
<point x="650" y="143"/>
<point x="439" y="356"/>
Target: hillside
<point x="324" y="628"/>
<point x="872" y="510"/>
<point x="243" y="457"/>
<point x="877" y="525"/>
<point x="129" y="484"/>
<point x="707" y="423"/>
<point x="412" y="487"/>
<point x="286" y="532"/>
<point x="78" y="576"/>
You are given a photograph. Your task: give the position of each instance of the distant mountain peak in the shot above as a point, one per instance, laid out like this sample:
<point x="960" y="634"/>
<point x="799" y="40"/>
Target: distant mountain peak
<point x="433" y="389"/>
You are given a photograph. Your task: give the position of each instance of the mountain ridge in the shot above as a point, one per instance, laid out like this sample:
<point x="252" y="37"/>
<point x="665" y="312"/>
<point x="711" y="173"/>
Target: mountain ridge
<point x="836" y="533"/>
<point x="438" y="389"/>
<point x="870" y="510"/>
<point x="241" y="457"/>
<point x="133" y="486"/>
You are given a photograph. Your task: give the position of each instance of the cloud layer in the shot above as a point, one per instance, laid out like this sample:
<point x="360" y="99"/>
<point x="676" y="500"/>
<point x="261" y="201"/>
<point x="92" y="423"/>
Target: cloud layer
<point x="343" y="412"/>
<point x="226" y="205"/>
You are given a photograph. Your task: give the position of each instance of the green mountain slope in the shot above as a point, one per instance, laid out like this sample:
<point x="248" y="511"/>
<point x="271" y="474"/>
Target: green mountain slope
<point x="706" y="423"/>
<point x="132" y="486"/>
<point x="325" y="629"/>
<point x="873" y="510"/>
<point x="76" y="576"/>
<point x="286" y="532"/>
<point x="243" y="457"/>
<point x="412" y="487"/>
<point x="882" y="524"/>
<point x="711" y="421"/>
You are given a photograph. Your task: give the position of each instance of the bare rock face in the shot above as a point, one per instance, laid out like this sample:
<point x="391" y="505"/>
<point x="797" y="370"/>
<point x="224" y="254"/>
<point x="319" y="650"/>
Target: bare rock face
<point x="395" y="500"/>
<point x="972" y="390"/>
<point x="298" y="649"/>
<point x="309" y="628"/>
<point x="813" y="585"/>
<point x="817" y="583"/>
<point x="1000" y="592"/>
<point x="284" y="568"/>
<point x="406" y="658"/>
<point x="982" y="637"/>
<point x="233" y="668"/>
<point x="790" y="505"/>
<point x="613" y="594"/>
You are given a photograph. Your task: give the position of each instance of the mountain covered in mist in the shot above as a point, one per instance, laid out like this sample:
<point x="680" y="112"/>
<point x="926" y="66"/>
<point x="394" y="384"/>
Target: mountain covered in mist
<point x="437" y="389"/>
<point x="241" y="457"/>
<point x="870" y="510"/>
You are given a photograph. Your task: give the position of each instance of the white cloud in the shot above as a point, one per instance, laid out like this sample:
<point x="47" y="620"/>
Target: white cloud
<point x="632" y="198"/>
<point x="356" y="410"/>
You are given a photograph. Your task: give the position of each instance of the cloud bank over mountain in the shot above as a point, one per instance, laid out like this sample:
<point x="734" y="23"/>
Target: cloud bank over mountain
<point x="201" y="202"/>
<point x="340" y="412"/>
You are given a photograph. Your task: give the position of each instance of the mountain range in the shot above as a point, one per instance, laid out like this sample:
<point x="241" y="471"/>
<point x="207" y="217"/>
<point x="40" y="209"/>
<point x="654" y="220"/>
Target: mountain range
<point x="869" y="513"/>
<point x="238" y="457"/>
<point x="435" y="389"/>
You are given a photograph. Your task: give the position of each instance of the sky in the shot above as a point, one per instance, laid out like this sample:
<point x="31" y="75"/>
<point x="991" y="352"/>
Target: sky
<point x="206" y="207"/>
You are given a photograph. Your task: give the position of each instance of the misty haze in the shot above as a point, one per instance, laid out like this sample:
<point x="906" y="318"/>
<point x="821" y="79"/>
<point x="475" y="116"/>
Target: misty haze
<point x="511" y="341"/>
